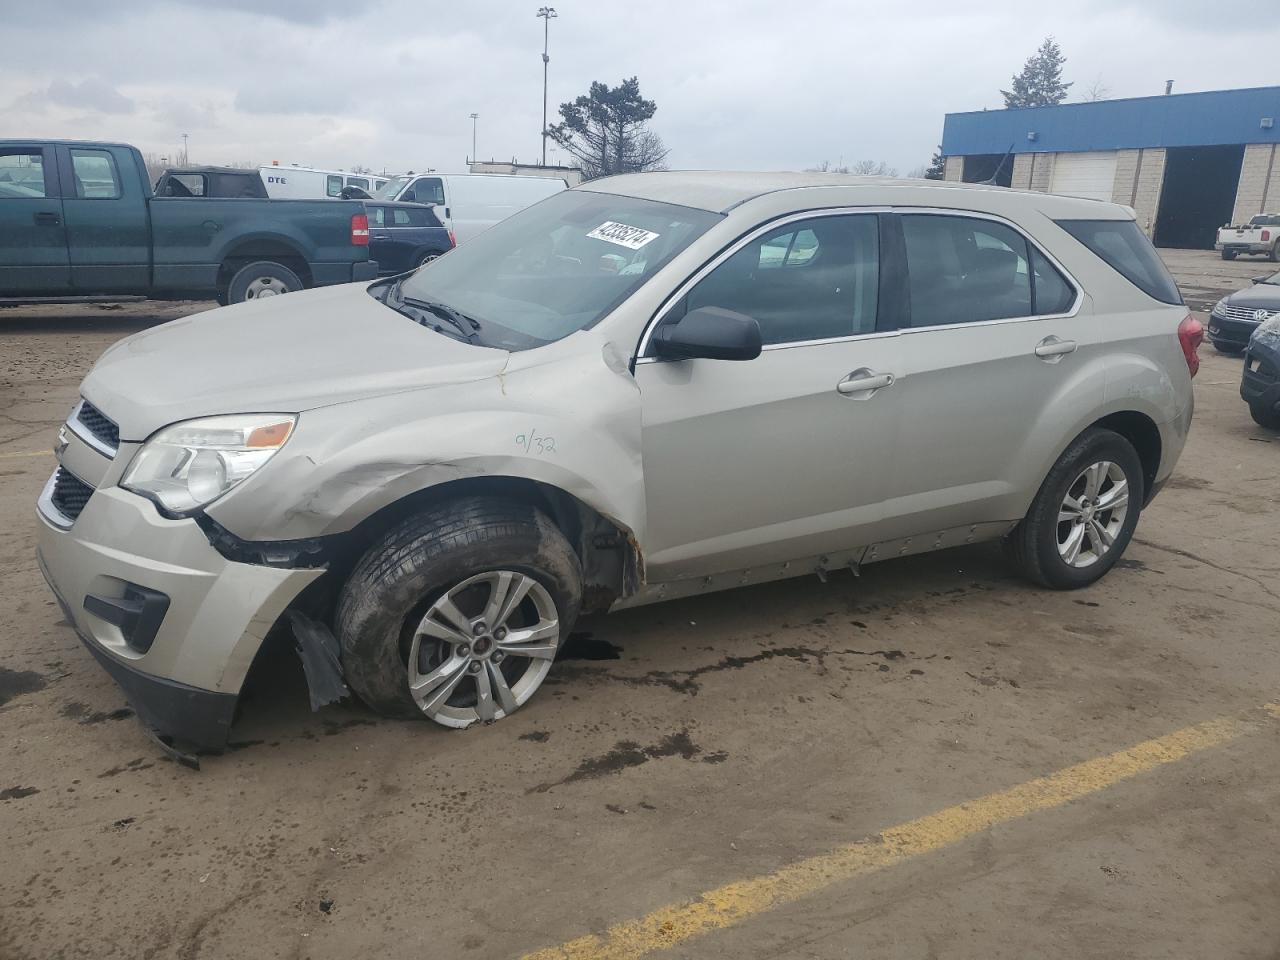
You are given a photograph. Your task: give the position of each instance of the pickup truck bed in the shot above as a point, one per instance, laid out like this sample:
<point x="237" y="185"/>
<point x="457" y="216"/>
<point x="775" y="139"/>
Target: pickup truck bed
<point x="79" y="219"/>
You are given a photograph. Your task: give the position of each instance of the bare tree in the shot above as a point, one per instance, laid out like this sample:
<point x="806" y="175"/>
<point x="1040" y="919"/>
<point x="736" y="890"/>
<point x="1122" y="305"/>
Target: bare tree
<point x="155" y="165"/>
<point x="873" y="168"/>
<point x="1097" y="91"/>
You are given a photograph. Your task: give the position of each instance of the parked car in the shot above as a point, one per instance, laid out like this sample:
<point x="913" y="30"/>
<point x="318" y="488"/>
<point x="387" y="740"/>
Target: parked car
<point x="226" y="183"/>
<point x="78" y="219"/>
<point x="1235" y="317"/>
<point x="311" y="183"/>
<point x="403" y="236"/>
<point x="469" y="203"/>
<point x="1260" y="236"/>
<point x="1260" y="382"/>
<point x="431" y="476"/>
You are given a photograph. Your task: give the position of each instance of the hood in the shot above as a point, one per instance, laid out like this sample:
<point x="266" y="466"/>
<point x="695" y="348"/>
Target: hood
<point x="1266" y="339"/>
<point x="1261" y="296"/>
<point x="282" y="355"/>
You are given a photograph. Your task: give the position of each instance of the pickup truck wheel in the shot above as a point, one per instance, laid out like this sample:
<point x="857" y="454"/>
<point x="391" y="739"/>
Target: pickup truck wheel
<point x="1084" y="514"/>
<point x="263" y="278"/>
<point x="1228" y="254"/>
<point x="457" y="613"/>
<point x="1264" y="416"/>
<point x="1275" y="252"/>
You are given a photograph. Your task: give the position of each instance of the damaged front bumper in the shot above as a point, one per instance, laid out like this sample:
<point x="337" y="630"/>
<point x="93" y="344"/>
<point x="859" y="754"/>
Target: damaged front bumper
<point x="175" y="623"/>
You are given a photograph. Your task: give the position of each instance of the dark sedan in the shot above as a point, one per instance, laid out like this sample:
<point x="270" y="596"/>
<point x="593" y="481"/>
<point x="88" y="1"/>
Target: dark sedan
<point x="1260" y="383"/>
<point x="1235" y="317"/>
<point x="403" y="236"/>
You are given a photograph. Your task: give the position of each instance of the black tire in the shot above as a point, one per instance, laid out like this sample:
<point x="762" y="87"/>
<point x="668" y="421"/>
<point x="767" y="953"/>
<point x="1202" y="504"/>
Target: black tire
<point x="418" y="560"/>
<point x="1033" y="544"/>
<point x="267" y="273"/>
<point x="1230" y="349"/>
<point x="1228" y="254"/>
<point x="1274" y="256"/>
<point x="1265" y="416"/>
<point x="428" y="256"/>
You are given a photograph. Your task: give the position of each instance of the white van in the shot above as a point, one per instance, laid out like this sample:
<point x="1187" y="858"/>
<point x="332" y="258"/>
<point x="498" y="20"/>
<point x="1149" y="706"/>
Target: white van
<point x="468" y="203"/>
<point x="310" y="183"/>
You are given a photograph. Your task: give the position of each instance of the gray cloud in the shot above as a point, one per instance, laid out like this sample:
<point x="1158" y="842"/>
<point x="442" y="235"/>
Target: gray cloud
<point x="91" y="95"/>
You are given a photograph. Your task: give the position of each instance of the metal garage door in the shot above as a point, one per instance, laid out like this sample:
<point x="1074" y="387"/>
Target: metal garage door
<point x="1089" y="175"/>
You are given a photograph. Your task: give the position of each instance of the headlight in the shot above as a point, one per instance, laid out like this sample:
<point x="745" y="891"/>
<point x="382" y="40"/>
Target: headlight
<point x="189" y="465"/>
<point x="1220" y="308"/>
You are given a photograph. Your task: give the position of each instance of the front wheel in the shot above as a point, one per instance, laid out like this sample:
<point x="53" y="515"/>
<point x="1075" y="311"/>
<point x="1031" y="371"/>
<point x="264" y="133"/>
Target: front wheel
<point x="1230" y="349"/>
<point x="1084" y="514"/>
<point x="457" y="613"/>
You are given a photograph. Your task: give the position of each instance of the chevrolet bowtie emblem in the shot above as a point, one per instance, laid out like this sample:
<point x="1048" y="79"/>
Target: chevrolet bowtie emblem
<point x="61" y="445"/>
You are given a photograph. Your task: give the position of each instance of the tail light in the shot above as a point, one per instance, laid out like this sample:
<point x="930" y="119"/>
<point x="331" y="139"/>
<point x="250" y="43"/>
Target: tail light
<point x="360" y="229"/>
<point x="1191" y="335"/>
<point x="453" y="241"/>
<point x="1266" y="234"/>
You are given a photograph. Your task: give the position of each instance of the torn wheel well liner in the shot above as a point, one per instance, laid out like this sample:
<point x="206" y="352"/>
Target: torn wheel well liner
<point x="1141" y="431"/>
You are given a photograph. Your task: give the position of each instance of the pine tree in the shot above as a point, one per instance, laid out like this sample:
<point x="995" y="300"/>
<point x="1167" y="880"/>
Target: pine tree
<point x="1040" y="82"/>
<point x="937" y="169"/>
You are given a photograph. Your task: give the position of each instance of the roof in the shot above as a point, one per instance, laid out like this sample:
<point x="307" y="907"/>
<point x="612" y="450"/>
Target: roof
<point x="1209" y="118"/>
<point x="721" y="191"/>
<point x="233" y="171"/>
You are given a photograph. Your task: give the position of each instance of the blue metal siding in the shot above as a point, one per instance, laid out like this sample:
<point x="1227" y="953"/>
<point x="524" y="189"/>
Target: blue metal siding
<point x="1181" y="120"/>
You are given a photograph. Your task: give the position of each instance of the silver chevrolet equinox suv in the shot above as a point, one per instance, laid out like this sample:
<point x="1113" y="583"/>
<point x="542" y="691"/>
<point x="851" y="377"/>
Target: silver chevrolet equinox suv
<point x="647" y="387"/>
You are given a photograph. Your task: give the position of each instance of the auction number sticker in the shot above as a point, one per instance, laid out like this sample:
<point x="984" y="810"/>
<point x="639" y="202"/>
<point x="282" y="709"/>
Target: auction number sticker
<point x="633" y="238"/>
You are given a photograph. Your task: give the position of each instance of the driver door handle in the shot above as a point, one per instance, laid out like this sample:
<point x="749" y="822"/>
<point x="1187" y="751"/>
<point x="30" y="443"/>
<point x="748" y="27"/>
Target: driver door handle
<point x="1052" y="349"/>
<point x="863" y="383"/>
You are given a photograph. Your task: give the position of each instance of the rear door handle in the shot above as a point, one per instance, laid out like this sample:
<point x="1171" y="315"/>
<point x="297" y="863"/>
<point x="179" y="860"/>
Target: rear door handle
<point x="47" y="219"/>
<point x="863" y="383"/>
<point x="1052" y="349"/>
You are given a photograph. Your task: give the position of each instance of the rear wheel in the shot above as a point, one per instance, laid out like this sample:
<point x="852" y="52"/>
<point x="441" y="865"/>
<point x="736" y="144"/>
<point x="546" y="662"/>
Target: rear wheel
<point x="1265" y="416"/>
<point x="428" y="257"/>
<point x="261" y="279"/>
<point x="457" y="613"/>
<point x="1275" y="252"/>
<point x="1084" y="514"/>
<point x="1228" y="254"/>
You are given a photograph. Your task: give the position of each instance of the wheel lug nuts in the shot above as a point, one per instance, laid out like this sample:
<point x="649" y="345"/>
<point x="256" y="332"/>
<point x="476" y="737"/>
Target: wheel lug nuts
<point x="475" y="666"/>
<point x="497" y="656"/>
<point x="500" y="633"/>
<point x="478" y="628"/>
<point x="463" y="650"/>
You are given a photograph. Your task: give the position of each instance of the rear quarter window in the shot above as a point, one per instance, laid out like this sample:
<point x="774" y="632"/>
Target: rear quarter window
<point x="1126" y="249"/>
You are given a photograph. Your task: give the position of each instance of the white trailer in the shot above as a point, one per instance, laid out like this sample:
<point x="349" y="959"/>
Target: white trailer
<point x="295" y="182"/>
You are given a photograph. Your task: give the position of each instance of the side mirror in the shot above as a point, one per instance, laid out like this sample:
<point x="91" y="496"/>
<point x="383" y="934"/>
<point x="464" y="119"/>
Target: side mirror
<point x="1260" y="279"/>
<point x="711" y="333"/>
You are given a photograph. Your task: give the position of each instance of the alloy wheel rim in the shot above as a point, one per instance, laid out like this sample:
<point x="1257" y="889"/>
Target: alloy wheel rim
<point x="1092" y="514"/>
<point x="483" y="648"/>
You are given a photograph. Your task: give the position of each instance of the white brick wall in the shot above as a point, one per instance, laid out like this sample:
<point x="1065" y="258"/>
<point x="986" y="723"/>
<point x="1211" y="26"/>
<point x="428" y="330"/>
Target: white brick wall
<point x="1259" y="190"/>
<point x="1042" y="171"/>
<point x="1021" y="171"/>
<point x="954" y="169"/>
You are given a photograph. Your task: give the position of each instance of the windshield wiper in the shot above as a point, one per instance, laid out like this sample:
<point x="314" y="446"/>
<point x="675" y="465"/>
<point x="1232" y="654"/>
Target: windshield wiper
<point x="457" y="319"/>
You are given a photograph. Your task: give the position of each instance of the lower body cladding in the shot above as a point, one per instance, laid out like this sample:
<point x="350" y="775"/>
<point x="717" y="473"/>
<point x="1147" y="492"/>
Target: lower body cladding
<point x="174" y="622"/>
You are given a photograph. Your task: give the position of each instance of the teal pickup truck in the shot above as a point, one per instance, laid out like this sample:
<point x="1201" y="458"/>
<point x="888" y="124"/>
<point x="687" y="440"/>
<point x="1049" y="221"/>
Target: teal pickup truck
<point x="78" y="220"/>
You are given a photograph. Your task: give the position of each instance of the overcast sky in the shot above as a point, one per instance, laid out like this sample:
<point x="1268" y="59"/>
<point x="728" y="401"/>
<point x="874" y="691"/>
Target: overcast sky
<point x="739" y="85"/>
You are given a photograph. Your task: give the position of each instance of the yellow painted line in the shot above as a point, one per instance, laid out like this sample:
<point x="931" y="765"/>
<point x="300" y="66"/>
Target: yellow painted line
<point x="741" y="900"/>
<point x="29" y="453"/>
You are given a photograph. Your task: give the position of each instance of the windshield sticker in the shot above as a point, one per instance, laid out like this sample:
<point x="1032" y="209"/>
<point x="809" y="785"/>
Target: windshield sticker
<point x="633" y="238"/>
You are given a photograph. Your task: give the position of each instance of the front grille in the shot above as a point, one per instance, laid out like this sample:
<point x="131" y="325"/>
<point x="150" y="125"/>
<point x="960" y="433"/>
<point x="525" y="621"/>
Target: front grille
<point x="99" y="426"/>
<point x="1246" y="314"/>
<point x="70" y="493"/>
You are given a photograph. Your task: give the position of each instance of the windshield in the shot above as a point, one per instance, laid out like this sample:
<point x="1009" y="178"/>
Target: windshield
<point x="1274" y="279"/>
<point x="558" y="266"/>
<point x="389" y="189"/>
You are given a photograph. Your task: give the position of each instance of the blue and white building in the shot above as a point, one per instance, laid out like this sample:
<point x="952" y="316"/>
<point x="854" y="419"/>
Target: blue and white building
<point x="1187" y="163"/>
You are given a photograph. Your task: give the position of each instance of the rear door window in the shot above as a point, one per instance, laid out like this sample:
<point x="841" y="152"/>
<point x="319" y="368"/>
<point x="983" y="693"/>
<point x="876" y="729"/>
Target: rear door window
<point x="22" y="174"/>
<point x="95" y="174"/>
<point x="377" y="216"/>
<point x="1126" y="249"/>
<point x="333" y="185"/>
<point x="360" y="182"/>
<point x="428" y="190"/>
<point x="965" y="270"/>
<point x="186" y="185"/>
<point x="409" y="217"/>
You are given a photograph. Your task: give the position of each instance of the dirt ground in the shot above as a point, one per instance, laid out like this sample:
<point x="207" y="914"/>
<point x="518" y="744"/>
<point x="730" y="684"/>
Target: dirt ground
<point x="681" y="747"/>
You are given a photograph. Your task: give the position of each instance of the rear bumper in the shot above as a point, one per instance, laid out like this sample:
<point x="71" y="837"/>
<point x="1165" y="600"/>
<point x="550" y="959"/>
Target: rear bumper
<point x="1260" y="383"/>
<point x="1243" y="247"/>
<point x="326" y="274"/>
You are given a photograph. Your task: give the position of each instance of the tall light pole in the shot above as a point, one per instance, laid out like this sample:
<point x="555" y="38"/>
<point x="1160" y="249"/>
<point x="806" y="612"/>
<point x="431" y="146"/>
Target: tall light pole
<point x="546" y="13"/>
<point x="185" y="161"/>
<point x="473" y="117"/>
